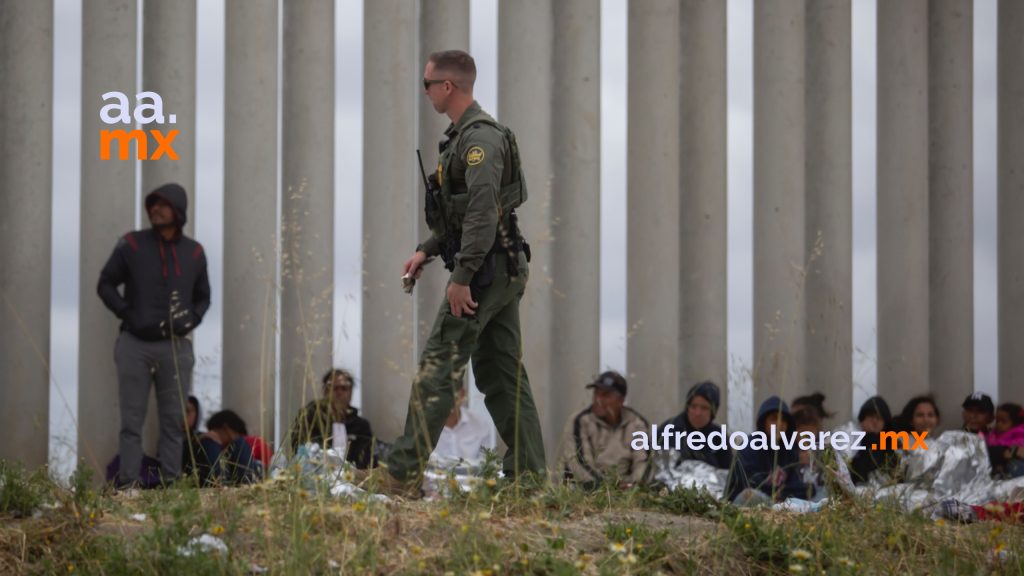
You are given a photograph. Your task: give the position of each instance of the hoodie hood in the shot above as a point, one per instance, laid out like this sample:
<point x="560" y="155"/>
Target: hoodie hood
<point x="708" y="391"/>
<point x="771" y="405"/>
<point x="875" y="405"/>
<point x="174" y="195"/>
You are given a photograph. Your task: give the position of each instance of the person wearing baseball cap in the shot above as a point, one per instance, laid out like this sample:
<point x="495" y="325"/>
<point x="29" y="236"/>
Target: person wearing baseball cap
<point x="597" y="440"/>
<point x="979" y="412"/>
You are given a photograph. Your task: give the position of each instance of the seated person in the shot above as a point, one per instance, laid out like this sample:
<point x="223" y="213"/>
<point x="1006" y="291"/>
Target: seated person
<point x="874" y="417"/>
<point x="920" y="414"/>
<point x="979" y="412"/>
<point x="815" y="402"/>
<point x="193" y="439"/>
<point x="809" y="418"/>
<point x="315" y="423"/>
<point x="767" y="475"/>
<point x="597" y="441"/>
<point x="464" y="435"/>
<point x="699" y="416"/>
<point x="224" y="457"/>
<point x="1006" y="441"/>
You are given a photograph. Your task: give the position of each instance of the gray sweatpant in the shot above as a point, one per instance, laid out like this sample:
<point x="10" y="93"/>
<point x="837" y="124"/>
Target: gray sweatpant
<point x="168" y="364"/>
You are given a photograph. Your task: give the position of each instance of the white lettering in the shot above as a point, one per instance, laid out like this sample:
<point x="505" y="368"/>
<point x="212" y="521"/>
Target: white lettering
<point x="157" y="107"/>
<point x="641" y="437"/>
<point x="116" y="112"/>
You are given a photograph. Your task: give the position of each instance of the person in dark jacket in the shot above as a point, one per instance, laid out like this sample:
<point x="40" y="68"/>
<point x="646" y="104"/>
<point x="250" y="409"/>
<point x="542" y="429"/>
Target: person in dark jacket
<point x="224" y="457"/>
<point x="874" y="418"/>
<point x="166" y="293"/>
<point x="315" y="423"/>
<point x="699" y="416"/>
<point x="775" y="474"/>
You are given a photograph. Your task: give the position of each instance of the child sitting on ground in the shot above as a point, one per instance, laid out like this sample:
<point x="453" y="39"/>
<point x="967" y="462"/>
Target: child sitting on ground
<point x="1006" y="441"/>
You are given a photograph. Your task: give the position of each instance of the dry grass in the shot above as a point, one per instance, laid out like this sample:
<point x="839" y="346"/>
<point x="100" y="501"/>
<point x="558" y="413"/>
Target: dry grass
<point x="282" y="528"/>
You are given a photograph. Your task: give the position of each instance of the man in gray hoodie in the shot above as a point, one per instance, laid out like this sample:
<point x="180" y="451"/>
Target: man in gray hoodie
<point x="166" y="293"/>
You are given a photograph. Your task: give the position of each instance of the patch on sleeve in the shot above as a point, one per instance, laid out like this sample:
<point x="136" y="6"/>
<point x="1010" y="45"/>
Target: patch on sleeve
<point x="475" y="156"/>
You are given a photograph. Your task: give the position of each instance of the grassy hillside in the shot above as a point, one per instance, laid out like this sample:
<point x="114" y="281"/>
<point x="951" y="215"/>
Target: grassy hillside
<point x="281" y="528"/>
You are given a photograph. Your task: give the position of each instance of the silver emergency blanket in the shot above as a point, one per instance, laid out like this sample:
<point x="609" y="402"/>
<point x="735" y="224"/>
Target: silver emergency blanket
<point x="955" y="467"/>
<point x="444" y="477"/>
<point x="689" y="474"/>
<point x="319" y="469"/>
<point x="1009" y="490"/>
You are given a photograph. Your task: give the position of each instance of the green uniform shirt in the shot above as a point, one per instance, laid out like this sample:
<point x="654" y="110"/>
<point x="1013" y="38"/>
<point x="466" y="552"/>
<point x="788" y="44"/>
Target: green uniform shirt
<point x="476" y="163"/>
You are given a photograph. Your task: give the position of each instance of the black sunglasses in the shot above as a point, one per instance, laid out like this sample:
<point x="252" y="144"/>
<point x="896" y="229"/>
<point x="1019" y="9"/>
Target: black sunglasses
<point x="427" y="83"/>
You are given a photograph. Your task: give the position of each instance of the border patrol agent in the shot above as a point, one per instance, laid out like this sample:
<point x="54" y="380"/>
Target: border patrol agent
<point x="470" y="210"/>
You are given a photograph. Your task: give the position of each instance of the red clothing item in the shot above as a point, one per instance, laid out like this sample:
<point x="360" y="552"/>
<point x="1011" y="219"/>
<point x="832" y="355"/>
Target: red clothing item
<point x="260" y="450"/>
<point x="1005" y="511"/>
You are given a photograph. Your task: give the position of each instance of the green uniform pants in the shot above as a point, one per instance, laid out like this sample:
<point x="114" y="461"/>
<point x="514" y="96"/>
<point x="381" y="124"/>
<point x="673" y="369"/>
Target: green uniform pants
<point x="491" y="338"/>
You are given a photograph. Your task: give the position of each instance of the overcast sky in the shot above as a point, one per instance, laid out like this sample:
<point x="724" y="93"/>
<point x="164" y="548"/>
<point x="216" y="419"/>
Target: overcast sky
<point x="348" y="202"/>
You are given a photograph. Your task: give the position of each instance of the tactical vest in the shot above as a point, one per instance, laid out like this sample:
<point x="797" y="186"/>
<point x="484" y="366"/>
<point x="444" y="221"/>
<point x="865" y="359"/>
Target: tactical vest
<point x="453" y="196"/>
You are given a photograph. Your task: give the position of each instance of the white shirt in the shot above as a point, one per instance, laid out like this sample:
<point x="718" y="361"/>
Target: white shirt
<point x="464" y="440"/>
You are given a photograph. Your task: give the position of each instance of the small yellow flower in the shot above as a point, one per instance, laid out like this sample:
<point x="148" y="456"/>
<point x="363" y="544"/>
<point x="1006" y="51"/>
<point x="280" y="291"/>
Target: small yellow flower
<point x="631" y="558"/>
<point x="492" y="482"/>
<point x="484" y="515"/>
<point x="800" y="554"/>
<point x="416" y="550"/>
<point x="580" y="564"/>
<point x="617" y="547"/>
<point x="71" y="567"/>
<point x="217" y="530"/>
<point x="359" y="506"/>
<point x="629" y="531"/>
<point x="443" y="513"/>
<point x="940" y="522"/>
<point x="525" y="561"/>
<point x="746" y="526"/>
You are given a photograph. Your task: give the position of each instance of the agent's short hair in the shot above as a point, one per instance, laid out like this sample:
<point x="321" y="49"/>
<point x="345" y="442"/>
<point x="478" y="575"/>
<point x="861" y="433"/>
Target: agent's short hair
<point x="457" y="63"/>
